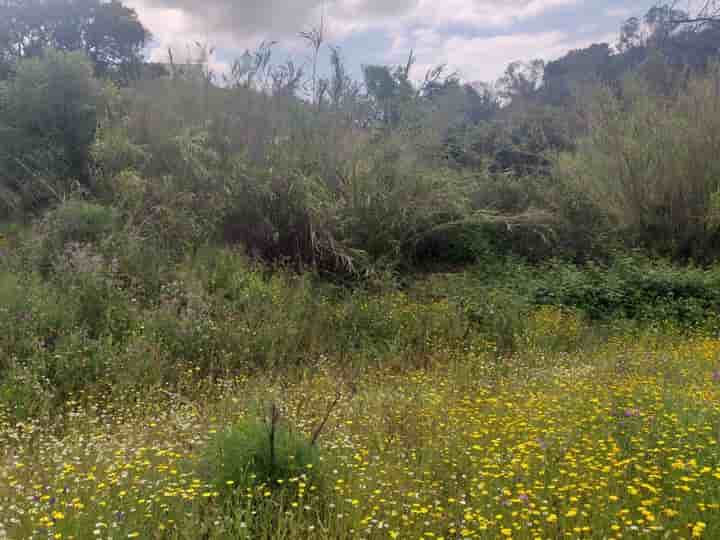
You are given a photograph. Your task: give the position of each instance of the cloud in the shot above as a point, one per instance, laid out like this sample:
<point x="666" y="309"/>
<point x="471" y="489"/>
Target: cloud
<point x="238" y="20"/>
<point x="177" y="28"/>
<point x="476" y="14"/>
<point x="619" y="12"/>
<point x="474" y="36"/>
<point x="485" y="58"/>
<point x="283" y="19"/>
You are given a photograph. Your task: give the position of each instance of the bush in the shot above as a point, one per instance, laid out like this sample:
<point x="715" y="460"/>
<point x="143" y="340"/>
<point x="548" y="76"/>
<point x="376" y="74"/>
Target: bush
<point x="392" y="200"/>
<point x="266" y="454"/>
<point x="513" y="302"/>
<point x="24" y="393"/>
<point x="634" y="288"/>
<point x="454" y="243"/>
<point x="48" y="119"/>
<point x="81" y="222"/>
<point x="68" y="232"/>
<point x="33" y="314"/>
<point x="285" y="215"/>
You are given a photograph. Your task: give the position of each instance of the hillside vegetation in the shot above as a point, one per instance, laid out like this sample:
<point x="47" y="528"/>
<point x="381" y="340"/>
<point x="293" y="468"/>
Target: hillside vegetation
<point x="283" y="305"/>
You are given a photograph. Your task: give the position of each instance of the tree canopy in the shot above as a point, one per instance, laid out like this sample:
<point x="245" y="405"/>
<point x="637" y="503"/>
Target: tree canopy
<point x="109" y="33"/>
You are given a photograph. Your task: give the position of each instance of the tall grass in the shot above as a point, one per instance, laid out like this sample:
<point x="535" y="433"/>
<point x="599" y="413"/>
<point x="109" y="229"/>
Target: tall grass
<point x="650" y="164"/>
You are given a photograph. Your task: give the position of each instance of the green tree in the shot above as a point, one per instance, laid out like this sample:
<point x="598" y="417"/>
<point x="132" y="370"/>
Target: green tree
<point x="389" y="90"/>
<point x="563" y="78"/>
<point x="521" y="80"/>
<point x="110" y="33"/>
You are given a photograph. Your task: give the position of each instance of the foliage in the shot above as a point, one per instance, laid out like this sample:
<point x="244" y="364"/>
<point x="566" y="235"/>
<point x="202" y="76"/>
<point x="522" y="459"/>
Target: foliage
<point x="636" y="289"/>
<point x="624" y="287"/>
<point x="521" y="80"/>
<point x="638" y="148"/>
<point x="79" y="222"/>
<point x="259" y="453"/>
<point x="284" y="216"/>
<point x="109" y="33"/>
<point x="360" y="176"/>
<point x="391" y="201"/>
<point x="47" y="125"/>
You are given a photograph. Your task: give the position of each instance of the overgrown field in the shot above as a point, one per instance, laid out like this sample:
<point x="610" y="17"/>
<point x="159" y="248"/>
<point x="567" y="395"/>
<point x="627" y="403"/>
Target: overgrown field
<point x="288" y="304"/>
<point x="577" y="430"/>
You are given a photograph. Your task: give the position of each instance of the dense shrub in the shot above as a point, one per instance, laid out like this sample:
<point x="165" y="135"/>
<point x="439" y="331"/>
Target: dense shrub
<point x="392" y="201"/>
<point x="636" y="289"/>
<point x="650" y="164"/>
<point x="623" y="287"/>
<point x="285" y="215"/>
<point x="48" y="117"/>
<point x="80" y="222"/>
<point x="71" y="237"/>
<point x="455" y="243"/>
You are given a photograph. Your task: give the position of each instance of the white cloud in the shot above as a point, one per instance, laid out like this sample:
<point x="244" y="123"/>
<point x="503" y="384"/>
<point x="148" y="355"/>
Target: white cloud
<point x="346" y="16"/>
<point x="244" y="20"/>
<point x="619" y="12"/>
<point x="174" y="29"/>
<point x="587" y="28"/>
<point x="422" y="25"/>
<point x="485" y="58"/>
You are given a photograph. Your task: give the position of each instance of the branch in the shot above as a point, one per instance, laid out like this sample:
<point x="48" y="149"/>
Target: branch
<point x="696" y="20"/>
<point x="321" y="426"/>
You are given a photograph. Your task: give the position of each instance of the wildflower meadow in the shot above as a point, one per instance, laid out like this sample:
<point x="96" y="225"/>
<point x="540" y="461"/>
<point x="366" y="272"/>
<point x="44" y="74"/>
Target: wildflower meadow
<point x="618" y="439"/>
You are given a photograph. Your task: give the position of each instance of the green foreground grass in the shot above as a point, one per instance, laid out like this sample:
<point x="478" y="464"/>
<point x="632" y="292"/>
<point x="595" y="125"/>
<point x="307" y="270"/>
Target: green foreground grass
<point x="616" y="439"/>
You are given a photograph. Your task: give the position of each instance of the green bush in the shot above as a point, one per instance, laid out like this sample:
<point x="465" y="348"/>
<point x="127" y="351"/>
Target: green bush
<point x="80" y="222"/>
<point x="266" y="454"/>
<point x="454" y="243"/>
<point x="501" y="296"/>
<point x="113" y="151"/>
<point x="284" y="215"/>
<point x="48" y="119"/>
<point x="71" y="236"/>
<point x="24" y="393"/>
<point x="392" y="200"/>
<point x="33" y="314"/>
<point x="634" y="288"/>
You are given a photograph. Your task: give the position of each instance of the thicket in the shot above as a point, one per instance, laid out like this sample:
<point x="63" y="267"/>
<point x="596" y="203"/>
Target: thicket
<point x="177" y="221"/>
<point x="185" y="163"/>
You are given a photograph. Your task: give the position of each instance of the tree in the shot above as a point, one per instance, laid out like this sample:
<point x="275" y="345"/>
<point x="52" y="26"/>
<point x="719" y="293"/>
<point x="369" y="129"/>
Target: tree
<point x="521" y="80"/>
<point x="383" y="90"/>
<point x="661" y="22"/>
<point x="630" y="34"/>
<point x="564" y="77"/>
<point x="388" y="89"/>
<point x="685" y="39"/>
<point x="395" y="97"/>
<point x="109" y="33"/>
<point x="481" y="103"/>
<point x="707" y="14"/>
<point x="48" y="117"/>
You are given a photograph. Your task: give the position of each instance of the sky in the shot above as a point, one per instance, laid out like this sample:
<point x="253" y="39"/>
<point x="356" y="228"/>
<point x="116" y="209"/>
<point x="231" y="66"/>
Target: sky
<point x="476" y="38"/>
